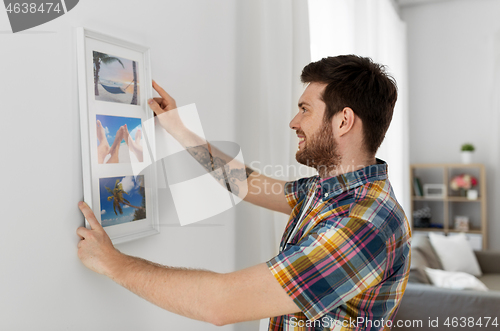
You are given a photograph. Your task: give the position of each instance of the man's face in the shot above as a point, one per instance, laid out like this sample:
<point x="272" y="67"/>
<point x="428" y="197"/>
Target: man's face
<point x="317" y="146"/>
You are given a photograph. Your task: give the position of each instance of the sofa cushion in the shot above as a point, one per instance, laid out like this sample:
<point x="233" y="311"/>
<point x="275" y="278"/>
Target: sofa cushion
<point x="489" y="261"/>
<point x="492" y="281"/>
<point x="422" y="244"/>
<point x="455" y="253"/>
<point x="455" y="280"/>
<point x="417" y="268"/>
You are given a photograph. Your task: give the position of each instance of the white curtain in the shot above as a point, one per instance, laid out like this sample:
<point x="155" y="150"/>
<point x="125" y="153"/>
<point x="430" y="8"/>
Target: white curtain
<point x="272" y="48"/>
<point x="370" y="28"/>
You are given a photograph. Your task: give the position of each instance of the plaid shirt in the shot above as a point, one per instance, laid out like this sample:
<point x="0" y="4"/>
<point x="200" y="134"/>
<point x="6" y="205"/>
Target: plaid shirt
<point x="346" y="262"/>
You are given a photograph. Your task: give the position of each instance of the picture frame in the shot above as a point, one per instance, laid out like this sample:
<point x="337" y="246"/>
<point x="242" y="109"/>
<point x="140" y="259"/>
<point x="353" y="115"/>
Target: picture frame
<point x="462" y="223"/>
<point x="434" y="190"/>
<point x="117" y="135"/>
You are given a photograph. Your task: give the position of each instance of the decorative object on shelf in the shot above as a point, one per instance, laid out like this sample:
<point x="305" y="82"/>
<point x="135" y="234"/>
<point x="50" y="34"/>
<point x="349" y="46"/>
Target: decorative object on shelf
<point x="434" y="190"/>
<point x="462" y="183"/>
<point x="462" y="223"/>
<point x="417" y="187"/>
<point x="422" y="218"/>
<point x="436" y="226"/>
<point x="472" y="194"/>
<point x="466" y="154"/>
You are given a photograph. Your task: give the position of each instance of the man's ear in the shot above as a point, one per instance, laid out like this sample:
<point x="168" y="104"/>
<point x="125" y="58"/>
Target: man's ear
<point x="344" y="121"/>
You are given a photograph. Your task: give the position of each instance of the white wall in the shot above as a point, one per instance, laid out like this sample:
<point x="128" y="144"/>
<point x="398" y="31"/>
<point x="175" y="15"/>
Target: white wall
<point x="43" y="284"/>
<point x="453" y="91"/>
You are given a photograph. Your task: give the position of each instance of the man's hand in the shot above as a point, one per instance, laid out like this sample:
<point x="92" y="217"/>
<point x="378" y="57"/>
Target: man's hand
<point x="95" y="248"/>
<point x="165" y="109"/>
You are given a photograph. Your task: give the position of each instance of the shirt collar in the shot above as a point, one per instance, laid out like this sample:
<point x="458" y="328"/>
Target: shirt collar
<point x="333" y="186"/>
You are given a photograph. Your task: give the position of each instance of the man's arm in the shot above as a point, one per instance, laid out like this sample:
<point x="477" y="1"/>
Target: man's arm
<point x="220" y="299"/>
<point x="235" y="176"/>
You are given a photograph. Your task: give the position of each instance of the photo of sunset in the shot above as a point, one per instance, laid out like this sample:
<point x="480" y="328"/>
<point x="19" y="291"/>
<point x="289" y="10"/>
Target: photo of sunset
<point x="116" y="79"/>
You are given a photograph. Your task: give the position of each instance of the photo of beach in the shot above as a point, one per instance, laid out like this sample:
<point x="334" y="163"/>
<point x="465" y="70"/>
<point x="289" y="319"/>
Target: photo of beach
<point x="123" y="199"/>
<point x="119" y="139"/>
<point x="115" y="79"/>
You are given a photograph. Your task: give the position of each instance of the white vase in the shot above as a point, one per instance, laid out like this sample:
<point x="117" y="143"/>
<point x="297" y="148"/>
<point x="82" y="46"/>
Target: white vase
<point x="472" y="194"/>
<point x="466" y="157"/>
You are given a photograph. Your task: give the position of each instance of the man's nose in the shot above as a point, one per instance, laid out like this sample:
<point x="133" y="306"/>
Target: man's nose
<point x="295" y="123"/>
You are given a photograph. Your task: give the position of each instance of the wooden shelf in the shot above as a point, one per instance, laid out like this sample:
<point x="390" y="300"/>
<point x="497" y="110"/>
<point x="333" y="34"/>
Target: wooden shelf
<point x="448" y="230"/>
<point x="427" y="199"/>
<point x="463" y="199"/>
<point x="445" y="209"/>
<point x="447" y="165"/>
<point x="429" y="229"/>
<point x="472" y="231"/>
<point x="457" y="199"/>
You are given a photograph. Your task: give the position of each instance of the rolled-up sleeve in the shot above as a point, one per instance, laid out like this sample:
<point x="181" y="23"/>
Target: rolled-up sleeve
<point x="331" y="265"/>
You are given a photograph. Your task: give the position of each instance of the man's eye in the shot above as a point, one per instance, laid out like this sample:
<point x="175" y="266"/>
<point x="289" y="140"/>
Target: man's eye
<point x="303" y="110"/>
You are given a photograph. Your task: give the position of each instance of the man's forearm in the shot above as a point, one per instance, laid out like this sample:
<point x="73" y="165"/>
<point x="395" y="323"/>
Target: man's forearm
<point x="219" y="299"/>
<point x="235" y="176"/>
<point x="190" y="293"/>
<point x="229" y="172"/>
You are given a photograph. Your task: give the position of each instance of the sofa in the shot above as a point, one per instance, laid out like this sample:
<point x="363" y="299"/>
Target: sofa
<point x="448" y="309"/>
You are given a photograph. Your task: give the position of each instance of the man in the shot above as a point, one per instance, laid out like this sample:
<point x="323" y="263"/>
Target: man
<point x="344" y="257"/>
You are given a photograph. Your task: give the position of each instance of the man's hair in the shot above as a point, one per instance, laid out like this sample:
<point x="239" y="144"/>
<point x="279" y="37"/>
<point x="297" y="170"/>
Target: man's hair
<point x="360" y="84"/>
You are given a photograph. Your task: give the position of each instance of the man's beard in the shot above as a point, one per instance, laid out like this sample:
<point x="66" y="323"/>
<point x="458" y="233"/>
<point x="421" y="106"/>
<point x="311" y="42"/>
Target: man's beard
<point x="320" y="150"/>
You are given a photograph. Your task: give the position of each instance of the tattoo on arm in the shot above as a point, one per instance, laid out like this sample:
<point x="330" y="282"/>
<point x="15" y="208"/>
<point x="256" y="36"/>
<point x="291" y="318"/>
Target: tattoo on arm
<point x="213" y="164"/>
<point x="240" y="174"/>
<point x="202" y="155"/>
<point x="248" y="171"/>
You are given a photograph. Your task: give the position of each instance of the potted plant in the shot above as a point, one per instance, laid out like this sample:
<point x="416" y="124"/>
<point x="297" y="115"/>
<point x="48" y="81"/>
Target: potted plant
<point x="467" y="150"/>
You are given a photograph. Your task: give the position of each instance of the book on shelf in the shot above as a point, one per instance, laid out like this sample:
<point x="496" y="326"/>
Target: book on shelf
<point x="417" y="187"/>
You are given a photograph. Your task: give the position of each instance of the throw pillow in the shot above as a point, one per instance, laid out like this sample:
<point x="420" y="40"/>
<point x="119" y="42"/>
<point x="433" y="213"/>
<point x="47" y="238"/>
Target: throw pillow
<point x="421" y="243"/>
<point x="455" y="280"/>
<point x="417" y="268"/>
<point x="455" y="253"/>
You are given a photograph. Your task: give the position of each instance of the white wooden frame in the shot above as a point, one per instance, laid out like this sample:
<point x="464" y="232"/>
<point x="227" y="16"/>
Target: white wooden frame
<point x="87" y="42"/>
<point x="434" y="191"/>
